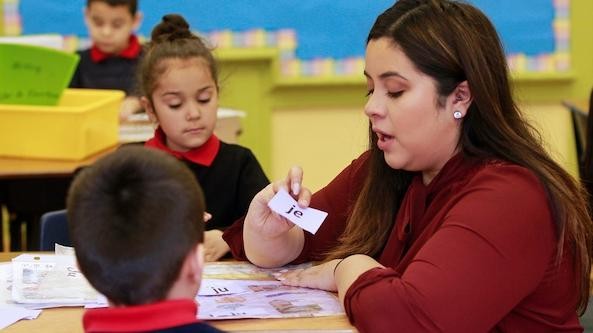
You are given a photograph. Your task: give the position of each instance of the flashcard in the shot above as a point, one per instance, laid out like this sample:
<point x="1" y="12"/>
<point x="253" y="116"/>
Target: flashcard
<point x="309" y="219"/>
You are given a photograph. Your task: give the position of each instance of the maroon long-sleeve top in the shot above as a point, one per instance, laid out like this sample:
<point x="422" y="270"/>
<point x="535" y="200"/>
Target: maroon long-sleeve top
<point x="473" y="251"/>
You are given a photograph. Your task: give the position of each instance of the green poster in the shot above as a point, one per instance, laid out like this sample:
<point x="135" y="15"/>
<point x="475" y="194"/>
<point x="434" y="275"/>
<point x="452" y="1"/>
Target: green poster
<point x="34" y="75"/>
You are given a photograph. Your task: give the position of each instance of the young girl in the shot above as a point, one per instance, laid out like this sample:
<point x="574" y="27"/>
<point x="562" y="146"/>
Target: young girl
<point x="179" y="85"/>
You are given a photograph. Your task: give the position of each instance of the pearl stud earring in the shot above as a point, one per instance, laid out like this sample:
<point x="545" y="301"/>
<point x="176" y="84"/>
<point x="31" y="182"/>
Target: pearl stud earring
<point x="457" y="115"/>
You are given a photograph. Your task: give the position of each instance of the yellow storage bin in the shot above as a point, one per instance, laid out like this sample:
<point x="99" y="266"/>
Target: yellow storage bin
<point x="84" y="122"/>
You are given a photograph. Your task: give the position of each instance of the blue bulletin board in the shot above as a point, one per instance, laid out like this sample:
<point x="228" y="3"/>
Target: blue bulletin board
<point x="324" y="28"/>
<point x="525" y="26"/>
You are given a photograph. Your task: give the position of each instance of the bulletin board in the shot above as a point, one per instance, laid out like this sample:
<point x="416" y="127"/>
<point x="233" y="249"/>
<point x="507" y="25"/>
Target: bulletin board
<point x="324" y="28"/>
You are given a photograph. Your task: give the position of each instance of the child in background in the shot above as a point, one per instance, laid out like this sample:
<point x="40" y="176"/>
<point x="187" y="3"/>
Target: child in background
<point x="139" y="201"/>
<point x="112" y="60"/>
<point x="179" y="85"/>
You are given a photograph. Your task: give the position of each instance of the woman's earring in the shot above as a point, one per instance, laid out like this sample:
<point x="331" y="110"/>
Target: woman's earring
<point x="457" y="115"/>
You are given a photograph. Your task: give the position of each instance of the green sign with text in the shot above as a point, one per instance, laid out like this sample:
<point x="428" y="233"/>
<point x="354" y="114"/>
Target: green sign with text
<point x="34" y="75"/>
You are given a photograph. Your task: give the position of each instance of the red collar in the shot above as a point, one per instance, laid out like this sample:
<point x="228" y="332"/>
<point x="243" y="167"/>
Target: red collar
<point x="130" y="52"/>
<point x="141" y="318"/>
<point x="203" y="155"/>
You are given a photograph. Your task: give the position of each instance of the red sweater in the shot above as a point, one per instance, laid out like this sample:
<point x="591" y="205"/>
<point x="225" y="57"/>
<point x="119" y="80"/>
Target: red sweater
<point x="480" y="254"/>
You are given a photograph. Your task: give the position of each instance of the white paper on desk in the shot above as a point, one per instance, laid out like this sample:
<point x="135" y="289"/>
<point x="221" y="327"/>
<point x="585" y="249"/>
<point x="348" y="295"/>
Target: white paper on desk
<point x="102" y="302"/>
<point x="268" y="299"/>
<point x="62" y="250"/>
<point x="309" y="218"/>
<point x="211" y="287"/>
<point x="49" y="280"/>
<point x="11" y="314"/>
<point x="5" y="283"/>
<point x="6" y="292"/>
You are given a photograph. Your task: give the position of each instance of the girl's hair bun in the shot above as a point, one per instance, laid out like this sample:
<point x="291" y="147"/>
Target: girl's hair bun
<point x="172" y="27"/>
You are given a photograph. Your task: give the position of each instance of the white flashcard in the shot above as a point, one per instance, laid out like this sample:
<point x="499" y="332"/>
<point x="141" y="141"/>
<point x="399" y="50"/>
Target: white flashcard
<point x="309" y="219"/>
<point x="210" y="287"/>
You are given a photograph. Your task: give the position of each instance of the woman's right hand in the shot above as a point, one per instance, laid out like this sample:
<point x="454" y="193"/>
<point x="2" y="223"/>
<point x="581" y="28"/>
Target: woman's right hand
<point x="271" y="240"/>
<point x="268" y="223"/>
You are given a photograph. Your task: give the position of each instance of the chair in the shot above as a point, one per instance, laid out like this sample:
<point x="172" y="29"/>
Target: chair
<point x="586" y="160"/>
<point x="580" y="123"/>
<point x="586" y="171"/>
<point x="54" y="229"/>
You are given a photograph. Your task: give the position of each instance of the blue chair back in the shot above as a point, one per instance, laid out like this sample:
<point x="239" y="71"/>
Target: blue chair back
<point x="54" y="229"/>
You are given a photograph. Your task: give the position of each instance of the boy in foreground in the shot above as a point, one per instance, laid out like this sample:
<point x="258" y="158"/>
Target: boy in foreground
<point x="136" y="220"/>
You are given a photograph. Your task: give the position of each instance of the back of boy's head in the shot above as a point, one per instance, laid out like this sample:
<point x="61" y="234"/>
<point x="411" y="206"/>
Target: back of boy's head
<point x="133" y="218"/>
<point x="171" y="39"/>
<point x="132" y="5"/>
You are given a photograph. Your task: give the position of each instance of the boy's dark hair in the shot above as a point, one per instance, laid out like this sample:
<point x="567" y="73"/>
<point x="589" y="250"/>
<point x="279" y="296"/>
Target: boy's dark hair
<point x="133" y="218"/>
<point x="131" y="4"/>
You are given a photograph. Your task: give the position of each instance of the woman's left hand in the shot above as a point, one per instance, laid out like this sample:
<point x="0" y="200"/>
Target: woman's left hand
<point x="215" y="247"/>
<point x="318" y="277"/>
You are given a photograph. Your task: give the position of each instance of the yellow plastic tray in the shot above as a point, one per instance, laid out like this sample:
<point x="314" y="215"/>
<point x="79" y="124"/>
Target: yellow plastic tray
<point x="84" y="122"/>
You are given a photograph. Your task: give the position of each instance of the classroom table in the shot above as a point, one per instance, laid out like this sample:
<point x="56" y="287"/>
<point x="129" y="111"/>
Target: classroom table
<point x="30" y="187"/>
<point x="70" y="320"/>
<point x="18" y="168"/>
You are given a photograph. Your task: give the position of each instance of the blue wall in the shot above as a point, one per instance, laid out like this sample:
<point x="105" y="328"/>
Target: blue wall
<point x="325" y="28"/>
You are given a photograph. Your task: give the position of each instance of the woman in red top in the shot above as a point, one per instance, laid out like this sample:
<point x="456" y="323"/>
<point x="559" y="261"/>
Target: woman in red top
<point x="456" y="219"/>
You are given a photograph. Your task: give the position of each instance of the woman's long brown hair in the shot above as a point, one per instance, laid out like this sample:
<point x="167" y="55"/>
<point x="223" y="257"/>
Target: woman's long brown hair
<point x="452" y="42"/>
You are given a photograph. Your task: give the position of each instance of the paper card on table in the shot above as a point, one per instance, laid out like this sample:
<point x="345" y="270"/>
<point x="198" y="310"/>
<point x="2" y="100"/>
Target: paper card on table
<point x="62" y="250"/>
<point x="268" y="299"/>
<point x="211" y="287"/>
<point x="11" y="314"/>
<point x="38" y="75"/>
<point x="309" y="219"/>
<point x="49" y="279"/>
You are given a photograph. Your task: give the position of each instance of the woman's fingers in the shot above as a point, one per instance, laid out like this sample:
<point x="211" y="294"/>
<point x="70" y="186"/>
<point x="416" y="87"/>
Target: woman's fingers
<point x="207" y="216"/>
<point x="295" y="179"/>
<point x="304" y="197"/>
<point x="292" y="183"/>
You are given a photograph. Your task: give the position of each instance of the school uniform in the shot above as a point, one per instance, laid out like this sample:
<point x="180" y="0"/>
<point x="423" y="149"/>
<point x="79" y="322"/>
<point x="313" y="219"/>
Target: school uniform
<point x="472" y="251"/>
<point x="166" y="316"/>
<point x="98" y="70"/>
<point x="229" y="174"/>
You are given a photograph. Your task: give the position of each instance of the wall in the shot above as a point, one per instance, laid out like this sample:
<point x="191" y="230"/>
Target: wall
<point x="300" y="105"/>
<point x="322" y="141"/>
<point x="318" y="123"/>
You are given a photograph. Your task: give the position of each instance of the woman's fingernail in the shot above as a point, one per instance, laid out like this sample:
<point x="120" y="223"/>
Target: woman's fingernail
<point x="296" y="188"/>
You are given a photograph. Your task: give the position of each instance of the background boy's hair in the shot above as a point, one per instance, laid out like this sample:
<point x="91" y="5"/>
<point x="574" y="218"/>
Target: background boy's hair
<point x="171" y="39"/>
<point x="131" y="4"/>
<point x="133" y="218"/>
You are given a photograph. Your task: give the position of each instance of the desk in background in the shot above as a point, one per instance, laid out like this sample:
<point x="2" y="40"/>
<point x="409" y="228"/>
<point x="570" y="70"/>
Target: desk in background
<point x="31" y="187"/>
<point x="18" y="168"/>
<point x="70" y="320"/>
<point x="138" y="128"/>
